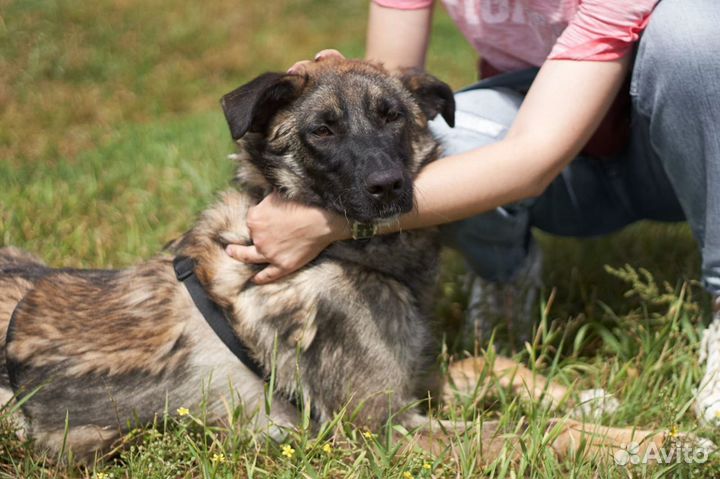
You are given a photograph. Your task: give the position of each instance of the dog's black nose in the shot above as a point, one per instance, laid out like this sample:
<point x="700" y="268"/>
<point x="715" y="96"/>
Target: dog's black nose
<point x="386" y="184"/>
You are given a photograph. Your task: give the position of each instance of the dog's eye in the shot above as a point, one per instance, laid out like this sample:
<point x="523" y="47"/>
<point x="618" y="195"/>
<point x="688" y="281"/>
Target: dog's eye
<point x="322" y="132"/>
<point x="392" y="116"/>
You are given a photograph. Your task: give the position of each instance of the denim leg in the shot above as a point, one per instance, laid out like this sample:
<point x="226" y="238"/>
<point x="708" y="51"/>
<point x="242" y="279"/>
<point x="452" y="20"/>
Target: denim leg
<point x="588" y="198"/>
<point x="676" y="95"/>
<point x="495" y="243"/>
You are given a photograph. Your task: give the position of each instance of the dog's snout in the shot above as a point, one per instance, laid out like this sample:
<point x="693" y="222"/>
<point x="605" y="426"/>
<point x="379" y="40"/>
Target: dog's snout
<point x="386" y="184"/>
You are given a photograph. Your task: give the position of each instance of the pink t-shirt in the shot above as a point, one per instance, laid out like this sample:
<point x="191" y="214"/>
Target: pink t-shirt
<point x="516" y="34"/>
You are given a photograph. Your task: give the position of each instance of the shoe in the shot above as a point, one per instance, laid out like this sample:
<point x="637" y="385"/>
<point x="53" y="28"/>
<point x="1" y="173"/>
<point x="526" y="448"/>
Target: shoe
<point x="506" y="308"/>
<point x="707" y="400"/>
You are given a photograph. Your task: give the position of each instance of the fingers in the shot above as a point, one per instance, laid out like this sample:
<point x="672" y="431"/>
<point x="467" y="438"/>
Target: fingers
<point x="298" y="68"/>
<point x="270" y="274"/>
<point x="250" y="255"/>
<point x="246" y="254"/>
<point x="328" y="53"/>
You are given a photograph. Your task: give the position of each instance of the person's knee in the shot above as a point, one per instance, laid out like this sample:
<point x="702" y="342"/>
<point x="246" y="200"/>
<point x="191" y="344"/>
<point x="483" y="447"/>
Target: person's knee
<point x="678" y="49"/>
<point x="482" y="117"/>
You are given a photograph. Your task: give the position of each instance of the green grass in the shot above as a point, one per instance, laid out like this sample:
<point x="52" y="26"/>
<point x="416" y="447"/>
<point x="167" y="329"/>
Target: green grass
<point x="111" y="141"/>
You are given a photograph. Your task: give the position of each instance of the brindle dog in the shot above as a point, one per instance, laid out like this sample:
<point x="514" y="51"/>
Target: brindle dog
<point x="102" y="348"/>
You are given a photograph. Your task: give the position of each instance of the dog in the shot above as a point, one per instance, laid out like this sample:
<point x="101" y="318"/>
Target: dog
<point x="88" y="351"/>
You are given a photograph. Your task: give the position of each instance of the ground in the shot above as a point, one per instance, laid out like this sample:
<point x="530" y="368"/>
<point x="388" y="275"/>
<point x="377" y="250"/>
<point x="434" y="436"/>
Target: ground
<point x="112" y="140"/>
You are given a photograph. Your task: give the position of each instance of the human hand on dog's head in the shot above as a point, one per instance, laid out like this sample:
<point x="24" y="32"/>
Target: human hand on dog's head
<point x="298" y="68"/>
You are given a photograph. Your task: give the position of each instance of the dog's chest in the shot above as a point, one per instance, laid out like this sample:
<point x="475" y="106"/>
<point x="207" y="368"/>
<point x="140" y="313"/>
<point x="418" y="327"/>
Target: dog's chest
<point x="410" y="258"/>
<point x="355" y="322"/>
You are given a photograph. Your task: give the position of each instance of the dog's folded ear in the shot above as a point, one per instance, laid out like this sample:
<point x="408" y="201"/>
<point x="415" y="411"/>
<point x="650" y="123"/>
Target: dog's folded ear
<point x="433" y="96"/>
<point x="251" y="106"/>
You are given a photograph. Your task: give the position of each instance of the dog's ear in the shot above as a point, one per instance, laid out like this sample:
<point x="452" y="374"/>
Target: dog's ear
<point x="434" y="96"/>
<point x="251" y="106"/>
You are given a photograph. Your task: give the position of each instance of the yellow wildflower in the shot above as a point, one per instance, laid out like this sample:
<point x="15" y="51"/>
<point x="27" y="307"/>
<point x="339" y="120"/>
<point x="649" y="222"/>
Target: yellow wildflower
<point x="218" y="458"/>
<point x="369" y="435"/>
<point x="182" y="411"/>
<point x="674" y="431"/>
<point x="288" y="451"/>
<point x="407" y="475"/>
<point x="427" y="466"/>
<point x="101" y="475"/>
<point x="327" y="448"/>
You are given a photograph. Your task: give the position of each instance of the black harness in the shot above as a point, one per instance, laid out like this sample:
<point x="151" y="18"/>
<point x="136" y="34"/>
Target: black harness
<point x="217" y="318"/>
<point x="213" y="314"/>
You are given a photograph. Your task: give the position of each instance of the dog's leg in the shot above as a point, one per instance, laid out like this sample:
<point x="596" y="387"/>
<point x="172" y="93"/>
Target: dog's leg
<point x="264" y="415"/>
<point x="84" y="442"/>
<point x="599" y="442"/>
<point x="474" y="377"/>
<point x="282" y="418"/>
<point x="602" y="443"/>
<point x="566" y="437"/>
<point x="436" y="435"/>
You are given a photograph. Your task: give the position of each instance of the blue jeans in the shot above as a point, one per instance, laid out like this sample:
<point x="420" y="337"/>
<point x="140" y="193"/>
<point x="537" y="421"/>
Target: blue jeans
<point x="670" y="171"/>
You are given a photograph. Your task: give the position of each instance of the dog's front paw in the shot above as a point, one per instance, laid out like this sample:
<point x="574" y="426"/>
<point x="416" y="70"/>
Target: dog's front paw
<point x="593" y="403"/>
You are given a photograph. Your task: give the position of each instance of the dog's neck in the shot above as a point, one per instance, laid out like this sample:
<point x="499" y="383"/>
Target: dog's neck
<point x="224" y="223"/>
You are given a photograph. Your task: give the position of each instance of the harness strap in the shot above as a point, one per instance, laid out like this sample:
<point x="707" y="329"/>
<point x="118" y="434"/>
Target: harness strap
<point x="185" y="272"/>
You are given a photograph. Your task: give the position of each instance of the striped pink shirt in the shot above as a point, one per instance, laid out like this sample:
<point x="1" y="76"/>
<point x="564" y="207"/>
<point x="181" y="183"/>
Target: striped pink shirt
<point x="515" y="34"/>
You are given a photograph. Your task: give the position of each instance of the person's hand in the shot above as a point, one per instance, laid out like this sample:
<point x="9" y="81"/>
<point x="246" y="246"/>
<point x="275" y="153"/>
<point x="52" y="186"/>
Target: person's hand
<point x="286" y="236"/>
<point x="299" y="67"/>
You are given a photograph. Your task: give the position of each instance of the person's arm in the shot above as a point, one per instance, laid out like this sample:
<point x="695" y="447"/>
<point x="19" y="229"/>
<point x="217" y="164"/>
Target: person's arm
<point x="564" y="106"/>
<point x="398" y="38"/>
<point x="560" y="112"/>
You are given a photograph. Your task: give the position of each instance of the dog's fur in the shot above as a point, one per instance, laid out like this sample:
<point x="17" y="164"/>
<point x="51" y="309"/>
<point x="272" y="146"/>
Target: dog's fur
<point x="351" y="328"/>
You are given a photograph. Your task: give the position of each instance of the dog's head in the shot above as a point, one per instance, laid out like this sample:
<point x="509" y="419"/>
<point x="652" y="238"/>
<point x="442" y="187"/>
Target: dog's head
<point x="345" y="135"/>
